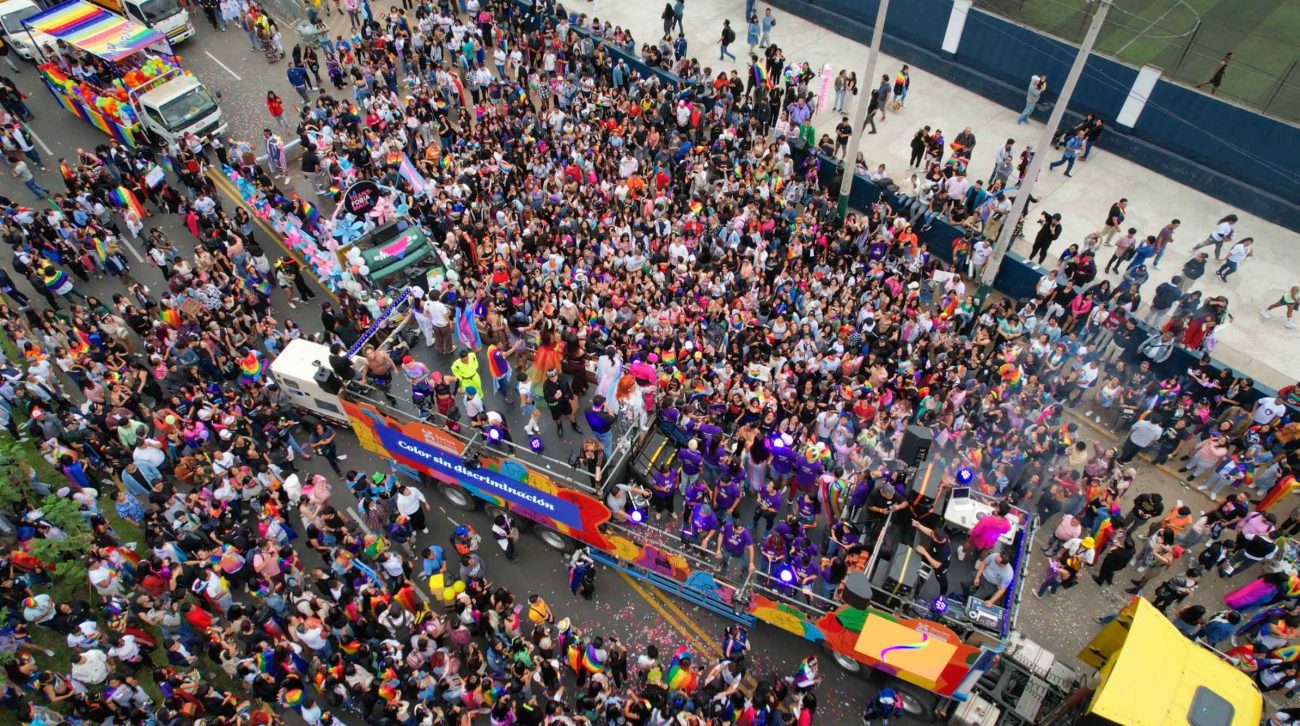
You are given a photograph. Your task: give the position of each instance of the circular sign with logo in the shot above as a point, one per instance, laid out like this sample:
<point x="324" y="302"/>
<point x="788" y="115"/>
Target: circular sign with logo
<point x="360" y="198"/>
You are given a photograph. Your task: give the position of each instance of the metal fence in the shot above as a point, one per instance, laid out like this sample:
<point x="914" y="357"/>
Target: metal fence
<point x="1187" y="44"/>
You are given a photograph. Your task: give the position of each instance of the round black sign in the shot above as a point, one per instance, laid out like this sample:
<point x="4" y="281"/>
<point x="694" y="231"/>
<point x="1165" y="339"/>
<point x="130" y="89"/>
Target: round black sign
<point x="361" y="197"/>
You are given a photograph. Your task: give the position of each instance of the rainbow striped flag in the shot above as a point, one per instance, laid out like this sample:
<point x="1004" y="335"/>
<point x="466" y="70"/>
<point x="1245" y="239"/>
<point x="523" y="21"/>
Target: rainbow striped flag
<point x="124" y="198"/>
<point x="760" y="75"/>
<point x="680" y="677"/>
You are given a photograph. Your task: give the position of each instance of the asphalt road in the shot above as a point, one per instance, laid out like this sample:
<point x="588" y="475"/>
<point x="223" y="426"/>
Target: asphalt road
<point x="225" y="63"/>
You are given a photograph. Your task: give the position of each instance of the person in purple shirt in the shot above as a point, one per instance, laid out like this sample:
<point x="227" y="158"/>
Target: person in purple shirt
<point x="843" y="535"/>
<point x="805" y="506"/>
<point x="788" y="528"/>
<point x="783" y="459"/>
<point x="691" y="461"/>
<point x="768" y="507"/>
<point x="694" y="494"/>
<point x="806" y="572"/>
<point x="703" y="525"/>
<point x="804" y="545"/>
<point x="726" y="497"/>
<point x="736" y="542"/>
<point x="806" y="473"/>
<point x="858" y="496"/>
<point x="662" y="488"/>
<point x="715" y="459"/>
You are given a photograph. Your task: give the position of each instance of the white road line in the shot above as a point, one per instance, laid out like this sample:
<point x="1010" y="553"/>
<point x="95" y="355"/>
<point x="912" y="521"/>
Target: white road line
<point x="223" y="65"/>
<point x="38" y="140"/>
<point x="139" y="257"/>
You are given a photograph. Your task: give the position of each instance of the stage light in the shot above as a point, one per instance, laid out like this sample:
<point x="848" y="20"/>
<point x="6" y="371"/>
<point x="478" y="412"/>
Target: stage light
<point x="536" y="444"/>
<point x="786" y="575"/>
<point x="637" y="516"/>
<point x="493" y="434"/>
<point x="965" y="476"/>
<point x="939" y="605"/>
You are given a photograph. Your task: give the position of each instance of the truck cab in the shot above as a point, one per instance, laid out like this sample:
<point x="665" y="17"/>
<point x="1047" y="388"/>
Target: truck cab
<point x="166" y="16"/>
<point x="12" y="15"/>
<point x="179" y="104"/>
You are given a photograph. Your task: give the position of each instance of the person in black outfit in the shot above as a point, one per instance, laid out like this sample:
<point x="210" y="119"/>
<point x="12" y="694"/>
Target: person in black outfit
<point x="1049" y="231"/>
<point x="559" y="399"/>
<point x="1119" y="557"/>
<point x="341" y="363"/>
<point x="937" y="553"/>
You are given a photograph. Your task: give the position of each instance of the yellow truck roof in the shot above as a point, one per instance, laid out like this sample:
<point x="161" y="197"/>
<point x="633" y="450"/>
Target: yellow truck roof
<point x="1152" y="675"/>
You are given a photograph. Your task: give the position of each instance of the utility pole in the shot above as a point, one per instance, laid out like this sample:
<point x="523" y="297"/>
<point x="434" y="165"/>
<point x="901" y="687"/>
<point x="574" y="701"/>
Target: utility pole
<point x="866" y="89"/>
<point x="1021" y="202"/>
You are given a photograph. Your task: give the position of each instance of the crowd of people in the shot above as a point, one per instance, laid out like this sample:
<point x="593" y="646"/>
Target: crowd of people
<point x="593" y="213"/>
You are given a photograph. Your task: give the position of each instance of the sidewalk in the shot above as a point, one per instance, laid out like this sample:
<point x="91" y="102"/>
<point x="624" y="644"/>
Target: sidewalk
<point x="1082" y="201"/>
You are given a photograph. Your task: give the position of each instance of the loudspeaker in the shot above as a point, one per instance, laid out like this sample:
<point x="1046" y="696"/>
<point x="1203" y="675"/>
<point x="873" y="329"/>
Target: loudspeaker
<point x="327" y="381"/>
<point x="915" y="448"/>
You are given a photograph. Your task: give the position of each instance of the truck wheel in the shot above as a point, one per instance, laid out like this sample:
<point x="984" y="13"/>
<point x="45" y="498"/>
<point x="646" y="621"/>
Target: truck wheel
<point x="459" y="498"/>
<point x="848" y="664"/>
<point x="553" y="539"/>
<point x="919" y="703"/>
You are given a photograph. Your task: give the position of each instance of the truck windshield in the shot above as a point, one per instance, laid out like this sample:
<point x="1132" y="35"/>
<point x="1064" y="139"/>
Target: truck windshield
<point x="185" y="110"/>
<point x="155" y="10"/>
<point x="13" y="22"/>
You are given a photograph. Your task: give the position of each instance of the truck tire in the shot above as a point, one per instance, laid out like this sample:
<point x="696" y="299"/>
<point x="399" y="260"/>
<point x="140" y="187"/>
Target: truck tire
<point x="918" y="703"/>
<point x="553" y="539"/>
<point x="459" y="498"/>
<point x="846" y="664"/>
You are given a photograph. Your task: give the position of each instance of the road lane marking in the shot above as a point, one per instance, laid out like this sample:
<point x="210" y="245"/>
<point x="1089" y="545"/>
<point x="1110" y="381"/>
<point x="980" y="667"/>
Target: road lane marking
<point x="223" y="65"/>
<point x="227" y="187"/>
<point x="139" y="257"/>
<point x="38" y="139"/>
<point x="691" y="639"/>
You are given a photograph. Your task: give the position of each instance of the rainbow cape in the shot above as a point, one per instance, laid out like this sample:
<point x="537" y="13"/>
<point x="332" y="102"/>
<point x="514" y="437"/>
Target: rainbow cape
<point x="680" y="677"/>
<point x="593" y="660"/>
<point x="498" y="366"/>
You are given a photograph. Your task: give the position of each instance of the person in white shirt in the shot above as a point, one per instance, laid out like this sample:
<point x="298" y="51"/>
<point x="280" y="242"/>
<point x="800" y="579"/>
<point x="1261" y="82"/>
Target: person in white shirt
<point x="91" y="667"/>
<point x="1236" y="256"/>
<point x="411" y="502"/>
<point x="1267" y="410"/>
<point x="1222" y="233"/>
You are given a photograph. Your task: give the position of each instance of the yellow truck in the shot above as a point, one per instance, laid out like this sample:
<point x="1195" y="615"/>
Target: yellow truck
<point x="1149" y="674"/>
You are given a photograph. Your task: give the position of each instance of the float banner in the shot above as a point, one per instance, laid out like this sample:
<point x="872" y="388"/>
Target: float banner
<point x="449" y="466"/>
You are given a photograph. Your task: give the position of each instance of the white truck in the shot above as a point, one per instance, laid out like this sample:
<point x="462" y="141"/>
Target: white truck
<point x="146" y="96"/>
<point x="12" y="15"/>
<point x="168" y="17"/>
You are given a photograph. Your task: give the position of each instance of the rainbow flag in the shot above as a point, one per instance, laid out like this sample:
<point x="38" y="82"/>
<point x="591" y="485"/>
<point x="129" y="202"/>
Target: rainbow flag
<point x="124" y="198"/>
<point x="293" y="698"/>
<point x="444" y="162"/>
<point x="406" y="598"/>
<point x="250" y="368"/>
<point x="497" y="364"/>
<point x="680" y="677"/>
<point x="760" y="75"/>
<point x="352" y="647"/>
<point x="170" y="317"/>
<point x="1287" y="653"/>
<point x="96" y="30"/>
<point x="593" y="661"/>
<point x="574" y="658"/>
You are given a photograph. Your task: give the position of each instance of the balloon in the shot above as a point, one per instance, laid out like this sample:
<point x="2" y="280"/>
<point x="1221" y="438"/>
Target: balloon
<point x="356" y="269"/>
<point x="365" y="269"/>
<point x="449" y="596"/>
<point x="458" y="586"/>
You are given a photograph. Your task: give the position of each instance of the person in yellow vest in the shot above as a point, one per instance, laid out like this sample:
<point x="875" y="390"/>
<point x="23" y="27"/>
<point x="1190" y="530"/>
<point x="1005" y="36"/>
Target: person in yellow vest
<point x="465" y="368"/>
<point x="538" y="611"/>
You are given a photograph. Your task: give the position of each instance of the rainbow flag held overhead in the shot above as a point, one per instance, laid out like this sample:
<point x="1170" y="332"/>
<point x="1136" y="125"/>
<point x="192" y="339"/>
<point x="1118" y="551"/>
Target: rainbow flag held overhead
<point x="760" y="75"/>
<point x="124" y="198"/>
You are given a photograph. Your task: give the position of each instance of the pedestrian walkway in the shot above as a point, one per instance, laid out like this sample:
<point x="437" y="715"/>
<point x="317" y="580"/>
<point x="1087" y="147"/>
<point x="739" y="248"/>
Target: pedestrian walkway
<point x="1263" y="349"/>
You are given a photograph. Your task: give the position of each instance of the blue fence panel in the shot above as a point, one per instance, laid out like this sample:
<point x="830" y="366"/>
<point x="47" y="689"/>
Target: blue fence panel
<point x="1237" y="141"/>
<point x="1189" y="136"/>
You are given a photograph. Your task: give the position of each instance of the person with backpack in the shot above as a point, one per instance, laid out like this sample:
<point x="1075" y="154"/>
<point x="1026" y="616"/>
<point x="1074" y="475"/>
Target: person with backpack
<point x="728" y="37"/>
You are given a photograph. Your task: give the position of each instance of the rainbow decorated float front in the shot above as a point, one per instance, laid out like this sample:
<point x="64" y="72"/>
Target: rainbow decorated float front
<point x="119" y="76"/>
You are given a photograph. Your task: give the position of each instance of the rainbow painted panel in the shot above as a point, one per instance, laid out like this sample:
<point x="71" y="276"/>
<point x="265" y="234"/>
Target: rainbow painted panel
<point x="95" y="30"/>
<point x="921" y="652"/>
<point x="379" y="433"/>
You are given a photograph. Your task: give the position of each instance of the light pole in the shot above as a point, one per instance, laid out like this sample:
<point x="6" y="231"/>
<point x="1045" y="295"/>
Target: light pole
<point x="865" y="91"/>
<point x="1040" y="155"/>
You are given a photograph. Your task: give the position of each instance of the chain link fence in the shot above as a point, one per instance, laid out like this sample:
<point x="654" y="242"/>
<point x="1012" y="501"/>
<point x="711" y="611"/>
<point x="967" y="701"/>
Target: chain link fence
<point x="1187" y="39"/>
